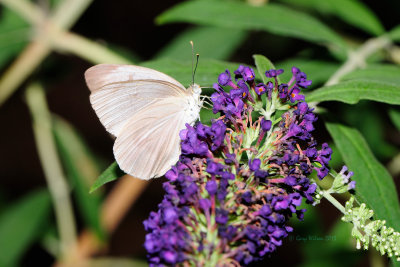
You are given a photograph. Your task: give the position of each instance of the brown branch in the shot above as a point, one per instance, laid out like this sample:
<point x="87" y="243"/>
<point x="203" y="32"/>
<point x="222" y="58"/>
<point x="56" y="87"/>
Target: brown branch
<point x="117" y="204"/>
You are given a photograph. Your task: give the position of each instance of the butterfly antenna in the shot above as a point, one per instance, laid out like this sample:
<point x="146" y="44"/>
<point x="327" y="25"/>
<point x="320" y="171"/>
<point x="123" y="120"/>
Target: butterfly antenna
<point x="191" y="43"/>
<point x="194" y="68"/>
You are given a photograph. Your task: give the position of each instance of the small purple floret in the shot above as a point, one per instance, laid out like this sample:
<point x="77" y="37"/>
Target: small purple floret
<point x="266" y="125"/>
<point x="273" y="73"/>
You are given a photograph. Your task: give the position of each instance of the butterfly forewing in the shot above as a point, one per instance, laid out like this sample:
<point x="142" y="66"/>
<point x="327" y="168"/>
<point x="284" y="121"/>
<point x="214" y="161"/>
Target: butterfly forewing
<point x="119" y="91"/>
<point x="103" y="74"/>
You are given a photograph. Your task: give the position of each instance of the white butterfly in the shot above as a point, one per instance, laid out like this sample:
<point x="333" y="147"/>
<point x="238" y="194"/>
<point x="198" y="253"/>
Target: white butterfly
<point x="145" y="110"/>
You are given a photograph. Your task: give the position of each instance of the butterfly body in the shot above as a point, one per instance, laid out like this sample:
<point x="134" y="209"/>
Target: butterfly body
<point x="145" y="110"/>
<point x="193" y="103"/>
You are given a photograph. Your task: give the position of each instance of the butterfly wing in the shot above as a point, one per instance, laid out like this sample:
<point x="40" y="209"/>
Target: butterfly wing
<point x="119" y="91"/>
<point x="148" y="145"/>
<point x="101" y="75"/>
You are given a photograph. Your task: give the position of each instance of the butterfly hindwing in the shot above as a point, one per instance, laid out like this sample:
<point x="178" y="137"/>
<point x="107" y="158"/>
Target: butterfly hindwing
<point x="148" y="145"/>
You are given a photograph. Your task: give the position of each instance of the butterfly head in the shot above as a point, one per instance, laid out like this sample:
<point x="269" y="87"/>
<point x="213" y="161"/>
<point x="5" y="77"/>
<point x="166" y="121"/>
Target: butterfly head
<point x="196" y="89"/>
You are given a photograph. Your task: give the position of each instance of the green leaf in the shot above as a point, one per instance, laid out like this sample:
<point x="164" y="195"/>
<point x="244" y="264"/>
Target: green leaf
<point x="112" y="173"/>
<point x="54" y="3"/>
<point x="224" y="43"/>
<point x="394" y="34"/>
<point x="81" y="170"/>
<point x="353" y="12"/>
<point x="206" y="74"/>
<point x="355" y="90"/>
<point x="14" y="35"/>
<point x="394" y="262"/>
<point x="395" y="117"/>
<point x="263" y="64"/>
<point x="336" y="159"/>
<point x="388" y="73"/>
<point x="317" y="71"/>
<point x="21" y="225"/>
<point x="273" y="18"/>
<point x="375" y="186"/>
<point x="206" y="115"/>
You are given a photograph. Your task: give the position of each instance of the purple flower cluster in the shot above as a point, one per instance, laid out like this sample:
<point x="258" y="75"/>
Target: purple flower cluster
<point x="175" y="230"/>
<point x="229" y="204"/>
<point x="295" y="129"/>
<point x="346" y="178"/>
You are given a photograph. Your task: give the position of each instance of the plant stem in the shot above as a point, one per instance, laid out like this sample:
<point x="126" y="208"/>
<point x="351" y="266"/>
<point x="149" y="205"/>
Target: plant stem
<point x="27" y="10"/>
<point x="68" y="12"/>
<point x="334" y="202"/>
<point x="22" y="67"/>
<point x="357" y="59"/>
<point x="52" y="168"/>
<point x="50" y="32"/>
<point x="87" y="49"/>
<point x="394" y="54"/>
<point x="117" y="204"/>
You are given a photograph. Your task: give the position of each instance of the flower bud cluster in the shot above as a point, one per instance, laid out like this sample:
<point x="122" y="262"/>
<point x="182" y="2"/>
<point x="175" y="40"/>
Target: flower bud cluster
<point x="342" y="182"/>
<point x="368" y="231"/>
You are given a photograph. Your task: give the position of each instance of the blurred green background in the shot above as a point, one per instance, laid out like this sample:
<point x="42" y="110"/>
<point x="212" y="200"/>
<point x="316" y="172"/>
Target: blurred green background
<point x="45" y="47"/>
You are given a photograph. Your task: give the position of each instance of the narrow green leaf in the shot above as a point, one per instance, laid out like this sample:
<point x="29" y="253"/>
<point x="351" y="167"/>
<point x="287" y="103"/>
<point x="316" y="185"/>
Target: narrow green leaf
<point x="336" y="159"/>
<point x="21" y="224"/>
<point x="206" y="74"/>
<point x="317" y="71"/>
<point x="54" y="3"/>
<point x="395" y="117"/>
<point x="353" y="12"/>
<point x="263" y="64"/>
<point x="375" y="186"/>
<point x="81" y="170"/>
<point x="388" y="73"/>
<point x="14" y="35"/>
<point x="355" y="90"/>
<point x="394" y="34"/>
<point x="273" y="18"/>
<point x="224" y="43"/>
<point x="112" y="173"/>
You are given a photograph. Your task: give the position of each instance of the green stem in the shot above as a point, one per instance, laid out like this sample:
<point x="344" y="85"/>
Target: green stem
<point x="358" y="58"/>
<point x="27" y="10"/>
<point x="22" y="67"/>
<point x="355" y="60"/>
<point x="394" y="54"/>
<point x="68" y="12"/>
<point x="334" y="202"/>
<point x="52" y="168"/>
<point x="50" y="33"/>
<point x="87" y="49"/>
